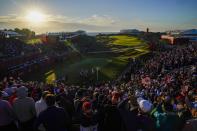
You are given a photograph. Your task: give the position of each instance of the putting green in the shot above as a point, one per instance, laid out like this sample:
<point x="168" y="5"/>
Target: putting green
<point x="126" y="40"/>
<point x="111" y="63"/>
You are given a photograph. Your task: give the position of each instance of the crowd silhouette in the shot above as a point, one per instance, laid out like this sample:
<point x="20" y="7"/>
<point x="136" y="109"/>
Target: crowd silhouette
<point x="156" y="94"/>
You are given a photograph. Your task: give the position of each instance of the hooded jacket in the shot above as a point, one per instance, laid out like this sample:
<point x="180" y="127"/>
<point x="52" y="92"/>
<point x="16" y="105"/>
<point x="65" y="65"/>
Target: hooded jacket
<point x="23" y="106"/>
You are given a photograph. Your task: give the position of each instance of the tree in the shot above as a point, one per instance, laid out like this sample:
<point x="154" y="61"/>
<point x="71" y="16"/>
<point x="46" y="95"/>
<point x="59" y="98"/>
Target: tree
<point x="26" y="32"/>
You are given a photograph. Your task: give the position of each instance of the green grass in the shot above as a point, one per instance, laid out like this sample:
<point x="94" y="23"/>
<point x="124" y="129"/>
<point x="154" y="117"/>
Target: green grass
<point x="34" y="41"/>
<point x="110" y="64"/>
<point x="129" y="46"/>
<point x="108" y="68"/>
<point x="126" y="40"/>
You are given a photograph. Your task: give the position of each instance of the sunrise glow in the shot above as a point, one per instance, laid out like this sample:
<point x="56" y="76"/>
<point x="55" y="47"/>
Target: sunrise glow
<point x="35" y="17"/>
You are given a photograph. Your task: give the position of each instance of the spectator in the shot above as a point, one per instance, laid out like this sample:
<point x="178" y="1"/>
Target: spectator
<point x="53" y="118"/>
<point x="129" y="111"/>
<point x="7" y="117"/>
<point x="146" y="123"/>
<point x="88" y="118"/>
<point x="166" y="80"/>
<point x="190" y="125"/>
<point x="168" y="120"/>
<point x="112" y="118"/>
<point x="41" y="104"/>
<point x="64" y="102"/>
<point x="24" y="108"/>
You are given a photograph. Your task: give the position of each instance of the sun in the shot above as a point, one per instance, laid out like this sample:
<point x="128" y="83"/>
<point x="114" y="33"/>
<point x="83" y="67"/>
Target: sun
<point x="35" y="17"/>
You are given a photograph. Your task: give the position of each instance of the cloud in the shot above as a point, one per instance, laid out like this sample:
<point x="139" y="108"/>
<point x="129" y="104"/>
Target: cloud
<point x="98" y="20"/>
<point x="7" y="18"/>
<point x="60" y="18"/>
<point x="94" y="23"/>
<point x="60" y="23"/>
<point x="12" y="17"/>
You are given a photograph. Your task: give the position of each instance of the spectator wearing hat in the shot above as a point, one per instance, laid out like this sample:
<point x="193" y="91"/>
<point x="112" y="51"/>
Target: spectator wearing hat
<point x="7" y="116"/>
<point x="145" y="122"/>
<point x="24" y="108"/>
<point x="88" y="118"/>
<point x="129" y="110"/>
<point x="167" y="120"/>
<point x="12" y="97"/>
<point x="53" y="118"/>
<point x="9" y="89"/>
<point x="112" y="119"/>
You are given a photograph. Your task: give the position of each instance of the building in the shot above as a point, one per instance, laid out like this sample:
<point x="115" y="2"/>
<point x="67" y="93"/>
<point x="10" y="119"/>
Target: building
<point x="9" y="34"/>
<point x="175" y="39"/>
<point x="54" y="37"/>
<point x="80" y="32"/>
<point x="190" y="34"/>
<point x="147" y="30"/>
<point x="168" y="38"/>
<point x="130" y="31"/>
<point x="181" y="36"/>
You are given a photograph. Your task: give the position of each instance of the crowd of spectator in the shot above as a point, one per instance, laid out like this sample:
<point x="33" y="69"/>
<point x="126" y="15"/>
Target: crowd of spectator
<point x="14" y="47"/>
<point x="20" y="58"/>
<point x="158" y="95"/>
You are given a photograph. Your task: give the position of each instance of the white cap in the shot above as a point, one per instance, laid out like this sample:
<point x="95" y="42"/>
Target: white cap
<point x="145" y="105"/>
<point x="4" y="94"/>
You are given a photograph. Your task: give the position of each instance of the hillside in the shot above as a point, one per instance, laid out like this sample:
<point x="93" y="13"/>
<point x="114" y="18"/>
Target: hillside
<point x="110" y="54"/>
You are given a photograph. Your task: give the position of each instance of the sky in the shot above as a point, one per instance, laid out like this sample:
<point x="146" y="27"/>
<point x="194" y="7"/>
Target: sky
<point x="100" y="15"/>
